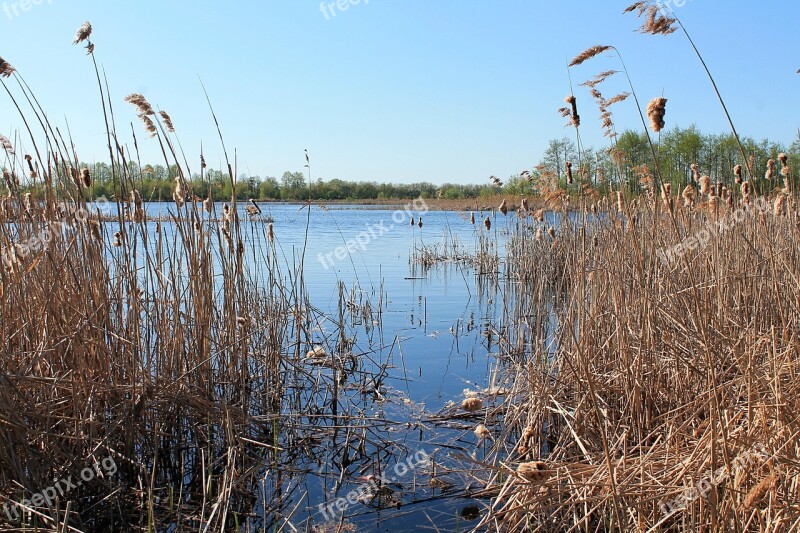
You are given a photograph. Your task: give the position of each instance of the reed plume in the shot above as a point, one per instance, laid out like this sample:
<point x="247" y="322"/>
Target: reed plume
<point x="6" y="144"/>
<point x="6" y="69"/>
<point x="588" y="54"/>
<point x="167" y="121"/>
<point x="83" y="33"/>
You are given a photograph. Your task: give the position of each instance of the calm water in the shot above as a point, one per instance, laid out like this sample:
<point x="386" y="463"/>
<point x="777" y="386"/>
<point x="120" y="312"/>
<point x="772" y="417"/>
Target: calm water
<point x="433" y="338"/>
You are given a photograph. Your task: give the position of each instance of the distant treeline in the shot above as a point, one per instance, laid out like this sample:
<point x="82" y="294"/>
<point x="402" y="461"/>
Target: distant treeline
<point x="622" y="165"/>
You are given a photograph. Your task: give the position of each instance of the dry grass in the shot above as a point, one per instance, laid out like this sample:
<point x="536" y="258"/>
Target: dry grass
<point x="637" y="380"/>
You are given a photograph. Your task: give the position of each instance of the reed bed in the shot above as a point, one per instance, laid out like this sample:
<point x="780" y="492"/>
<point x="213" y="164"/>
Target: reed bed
<point x="184" y="348"/>
<point x="648" y="393"/>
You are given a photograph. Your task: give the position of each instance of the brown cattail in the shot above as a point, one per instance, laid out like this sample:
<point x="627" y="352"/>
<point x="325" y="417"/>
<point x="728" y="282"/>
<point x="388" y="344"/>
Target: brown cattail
<point x="695" y="172"/>
<point x="539" y="234"/>
<point x="117" y="240"/>
<point x="26" y="201"/>
<point x="784" y="164"/>
<point x="316" y="352"/>
<point x="503" y="207"/>
<point x="487" y="223"/>
<point x="656" y="110"/>
<point x="202" y="161"/>
<point x="620" y="203"/>
<point x="770" y="169"/>
<point x="539" y="215"/>
<point x="270" y="232"/>
<point x="482" y="432"/>
<point x="689" y="194"/>
<point x="705" y="185"/>
<point x="412" y="222"/>
<point x="472" y="218"/>
<point x="568" y="164"/>
<point x="737" y="171"/>
<point x="534" y="471"/>
<point x="86" y="178"/>
<point x="713" y="203"/>
<point x="524" y="204"/>
<point x="179" y="195"/>
<point x="419" y="222"/>
<point x="779" y="206"/>
<point x="758" y="492"/>
<point x="575" y="119"/>
<point x="552" y="232"/>
<point x="472" y="404"/>
<point x="208" y="204"/>
<point x="94" y="226"/>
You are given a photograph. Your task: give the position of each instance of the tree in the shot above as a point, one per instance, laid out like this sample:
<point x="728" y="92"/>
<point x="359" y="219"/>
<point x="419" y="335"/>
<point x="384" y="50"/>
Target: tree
<point x="293" y="186"/>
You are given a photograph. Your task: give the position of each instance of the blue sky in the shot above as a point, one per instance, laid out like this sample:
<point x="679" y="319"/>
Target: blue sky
<point x="391" y="90"/>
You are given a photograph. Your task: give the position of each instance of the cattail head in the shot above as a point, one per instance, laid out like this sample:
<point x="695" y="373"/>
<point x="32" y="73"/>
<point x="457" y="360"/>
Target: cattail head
<point x="533" y="472"/>
<point x="503" y="207"/>
<point x="270" y="232"/>
<point x="419" y="222"/>
<point x="487" y="223"/>
<point x="117" y="240"/>
<point x="472" y="404"/>
<point x="620" y="203"/>
<point x="178" y="194"/>
<point x="86" y="178"/>
<point x="552" y="232"/>
<point x="656" y="110"/>
<point x="713" y="204"/>
<point x="705" y="185"/>
<point x="737" y="171"/>
<point x="770" y="169"/>
<point x="471" y="217"/>
<point x="779" y="206"/>
<point x="539" y="234"/>
<point x="688" y="195"/>
<point x="208" y="204"/>
<point x="568" y="164"/>
<point x="575" y="119"/>
<point x="783" y="158"/>
<point x="481" y="432"/>
<point x="539" y="215"/>
<point x="695" y="172"/>
<point x="524" y="204"/>
<point x="83" y="33"/>
<point x="94" y="226"/>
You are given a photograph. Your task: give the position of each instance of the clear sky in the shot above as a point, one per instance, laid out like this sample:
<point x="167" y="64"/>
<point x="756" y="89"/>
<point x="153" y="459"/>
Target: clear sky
<point x="394" y="90"/>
